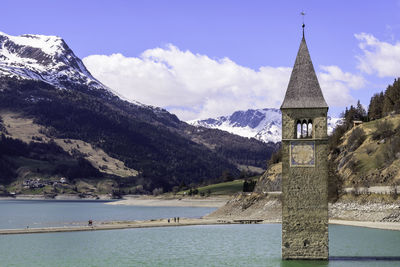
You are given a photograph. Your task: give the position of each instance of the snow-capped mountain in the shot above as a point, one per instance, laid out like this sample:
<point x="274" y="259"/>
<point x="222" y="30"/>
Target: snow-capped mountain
<point x="262" y="124"/>
<point x="42" y="78"/>
<point x="49" y="59"/>
<point x="45" y="58"/>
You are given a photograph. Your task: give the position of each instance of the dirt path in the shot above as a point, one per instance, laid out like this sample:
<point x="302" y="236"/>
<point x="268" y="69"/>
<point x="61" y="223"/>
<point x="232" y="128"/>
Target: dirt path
<point x="113" y="226"/>
<point x="183" y="222"/>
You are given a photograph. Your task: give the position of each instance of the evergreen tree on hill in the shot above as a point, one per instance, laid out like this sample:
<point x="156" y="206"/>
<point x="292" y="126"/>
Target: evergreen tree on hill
<point x="382" y="104"/>
<point x="375" y="109"/>
<point x="361" y="114"/>
<point x="352" y="114"/>
<point x="392" y="98"/>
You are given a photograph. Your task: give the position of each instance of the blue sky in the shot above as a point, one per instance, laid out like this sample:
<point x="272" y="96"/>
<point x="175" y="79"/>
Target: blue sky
<point x="208" y="58"/>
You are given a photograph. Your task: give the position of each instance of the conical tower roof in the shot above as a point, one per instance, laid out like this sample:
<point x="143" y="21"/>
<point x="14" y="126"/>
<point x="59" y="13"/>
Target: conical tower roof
<point x="303" y="90"/>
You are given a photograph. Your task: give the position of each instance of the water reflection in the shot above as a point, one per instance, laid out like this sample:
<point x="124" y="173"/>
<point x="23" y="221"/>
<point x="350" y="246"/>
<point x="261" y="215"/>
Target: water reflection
<point x="300" y="263"/>
<point x="365" y="258"/>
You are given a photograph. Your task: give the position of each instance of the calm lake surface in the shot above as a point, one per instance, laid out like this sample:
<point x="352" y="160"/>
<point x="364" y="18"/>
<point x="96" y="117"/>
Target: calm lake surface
<point x="211" y="245"/>
<point x="51" y="213"/>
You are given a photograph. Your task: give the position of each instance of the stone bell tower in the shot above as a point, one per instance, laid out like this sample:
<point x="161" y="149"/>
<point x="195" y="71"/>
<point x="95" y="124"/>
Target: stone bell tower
<point x="304" y="164"/>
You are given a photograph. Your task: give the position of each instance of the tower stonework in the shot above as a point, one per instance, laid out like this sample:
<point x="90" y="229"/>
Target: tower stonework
<point x="304" y="164"/>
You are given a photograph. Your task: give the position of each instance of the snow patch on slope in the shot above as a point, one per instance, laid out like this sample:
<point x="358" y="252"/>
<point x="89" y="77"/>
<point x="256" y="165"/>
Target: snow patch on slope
<point x="45" y="58"/>
<point x="262" y="124"/>
<point x="48" y="44"/>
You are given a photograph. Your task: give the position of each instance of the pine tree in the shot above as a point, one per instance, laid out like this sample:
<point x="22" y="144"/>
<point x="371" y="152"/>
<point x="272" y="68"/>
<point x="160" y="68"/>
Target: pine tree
<point x="361" y="114"/>
<point x="392" y="98"/>
<point x="376" y="106"/>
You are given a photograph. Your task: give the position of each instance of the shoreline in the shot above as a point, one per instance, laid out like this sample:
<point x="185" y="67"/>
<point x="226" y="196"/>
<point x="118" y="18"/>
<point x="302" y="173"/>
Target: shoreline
<point x="395" y="226"/>
<point x="57" y="197"/>
<point x="173" y="201"/>
<point x="118" y="225"/>
<point x="265" y="209"/>
<point x="136" y="200"/>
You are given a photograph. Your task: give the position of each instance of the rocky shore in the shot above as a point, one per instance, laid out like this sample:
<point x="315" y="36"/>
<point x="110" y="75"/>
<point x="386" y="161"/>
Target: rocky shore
<point x="372" y="212"/>
<point x="268" y="207"/>
<point x="250" y="206"/>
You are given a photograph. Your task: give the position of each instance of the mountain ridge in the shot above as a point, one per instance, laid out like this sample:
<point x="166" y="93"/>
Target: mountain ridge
<point x="261" y="124"/>
<point x="165" y="151"/>
<point x="45" y="58"/>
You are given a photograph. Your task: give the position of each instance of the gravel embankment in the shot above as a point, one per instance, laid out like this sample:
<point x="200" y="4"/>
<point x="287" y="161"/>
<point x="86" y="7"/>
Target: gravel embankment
<point x="267" y="207"/>
<point x="373" y="212"/>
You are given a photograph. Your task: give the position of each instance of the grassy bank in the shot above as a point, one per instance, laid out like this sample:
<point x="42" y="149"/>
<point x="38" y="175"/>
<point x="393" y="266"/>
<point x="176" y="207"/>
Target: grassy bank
<point x="225" y="188"/>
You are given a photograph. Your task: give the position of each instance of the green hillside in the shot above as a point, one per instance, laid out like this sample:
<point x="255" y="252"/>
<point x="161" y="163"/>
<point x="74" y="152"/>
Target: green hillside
<point x="370" y="153"/>
<point x="224" y="188"/>
<point x="139" y="148"/>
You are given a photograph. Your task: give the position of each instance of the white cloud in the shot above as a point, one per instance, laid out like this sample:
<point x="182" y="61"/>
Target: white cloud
<point x="195" y="86"/>
<point x="336" y="85"/>
<point x="378" y="57"/>
<point x="190" y="85"/>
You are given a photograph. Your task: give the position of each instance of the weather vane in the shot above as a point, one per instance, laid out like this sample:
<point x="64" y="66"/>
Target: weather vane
<point x="302" y="15"/>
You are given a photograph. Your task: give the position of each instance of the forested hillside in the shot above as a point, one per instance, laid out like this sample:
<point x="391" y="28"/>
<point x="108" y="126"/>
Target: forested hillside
<point x="165" y="151"/>
<point x="368" y="154"/>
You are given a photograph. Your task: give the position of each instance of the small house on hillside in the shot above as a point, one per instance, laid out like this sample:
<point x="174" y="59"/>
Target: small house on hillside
<point x="356" y="123"/>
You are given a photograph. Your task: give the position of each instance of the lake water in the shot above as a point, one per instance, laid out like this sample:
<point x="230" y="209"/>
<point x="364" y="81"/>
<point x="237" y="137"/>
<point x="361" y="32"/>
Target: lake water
<point x="50" y="213"/>
<point x="211" y="245"/>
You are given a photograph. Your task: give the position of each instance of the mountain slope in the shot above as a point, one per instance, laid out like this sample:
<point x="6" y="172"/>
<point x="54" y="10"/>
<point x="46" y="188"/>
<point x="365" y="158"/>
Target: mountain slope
<point x="45" y="58"/>
<point x="159" y="154"/>
<point x="262" y="124"/>
<point x="24" y="129"/>
<point x="369" y="154"/>
<point x="43" y="81"/>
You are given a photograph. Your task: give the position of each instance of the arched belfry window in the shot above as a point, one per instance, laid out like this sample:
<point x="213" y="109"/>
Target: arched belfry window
<point x="309" y="129"/>
<point x="304" y="129"/>
<point x="298" y="129"/>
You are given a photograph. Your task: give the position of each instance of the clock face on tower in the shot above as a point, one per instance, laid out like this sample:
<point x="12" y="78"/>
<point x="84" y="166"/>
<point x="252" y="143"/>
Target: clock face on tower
<point x="302" y="154"/>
